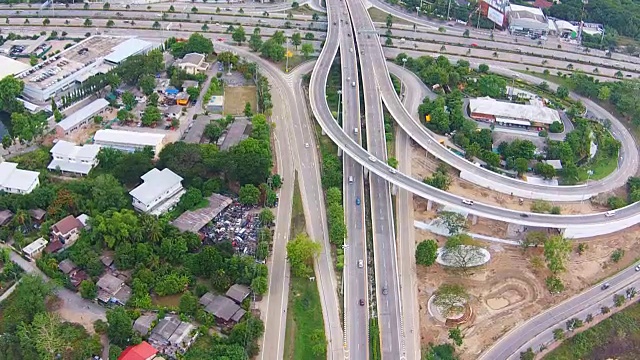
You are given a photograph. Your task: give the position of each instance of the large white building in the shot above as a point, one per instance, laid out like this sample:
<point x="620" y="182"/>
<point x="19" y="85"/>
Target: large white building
<point x="129" y="141"/>
<point x="512" y="114"/>
<point x="73" y="159"/>
<point x="94" y="55"/>
<point x="17" y="181"/>
<point x="524" y="19"/>
<point x="159" y="192"/>
<point x="8" y="67"/>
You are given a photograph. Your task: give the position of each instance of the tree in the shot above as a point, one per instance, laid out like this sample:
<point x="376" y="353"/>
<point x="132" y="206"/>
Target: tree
<point x="239" y="35"/>
<point x="106" y="6"/>
<point x="188" y="304"/>
<point x="255" y="40"/>
<point x="556" y="252"/>
<point x="249" y="195"/>
<point x="248" y="112"/>
<point x="483" y="68"/>
<point x="556" y="127"/>
<point x="259" y="285"/>
<point x="57" y="115"/>
<point x="88" y="22"/>
<point x="279" y="37"/>
<point x="300" y="253"/>
<point x="46" y="22"/>
<point x="604" y="93"/>
<point x="120" y="328"/>
<point x="462" y="251"/>
<point x="296" y="39"/>
<point x="492" y="86"/>
<point x="6" y="141"/>
<point x="110" y="23"/>
<point x="558" y="334"/>
<point x="389" y="21"/>
<point x="172" y="9"/>
<point x="456" y="335"/>
<point x="455" y="222"/>
<point x="129" y="100"/>
<point x="309" y="36"/>
<point x="147" y="84"/>
<point x="276" y="181"/>
<point x="426" y="252"/>
<point x="153" y="98"/>
<point x="10" y="89"/>
<point x="273" y="50"/>
<point x="527" y="355"/>
<point x="151" y="116"/>
<point x="88" y="289"/>
<point x="562" y="92"/>
<point x="450" y="299"/>
<point x="249" y="162"/>
<point x="194" y="9"/>
<point x="266" y="217"/>
<point x="307" y="50"/>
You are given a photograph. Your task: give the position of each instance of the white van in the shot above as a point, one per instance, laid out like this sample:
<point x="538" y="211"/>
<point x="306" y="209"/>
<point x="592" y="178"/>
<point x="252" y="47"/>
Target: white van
<point x="350" y="179"/>
<point x="353" y="84"/>
<point x="355" y="131"/>
<point x="610" y="213"/>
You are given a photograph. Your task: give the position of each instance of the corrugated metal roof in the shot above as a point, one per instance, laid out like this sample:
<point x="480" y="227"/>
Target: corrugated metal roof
<point x="156" y="183"/>
<point x="509" y="110"/>
<point x="126" y="49"/>
<point x="108" y="136"/>
<point x="83" y="114"/>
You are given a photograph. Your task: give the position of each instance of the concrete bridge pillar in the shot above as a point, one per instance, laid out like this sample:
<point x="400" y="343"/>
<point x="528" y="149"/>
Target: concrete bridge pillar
<point x="394" y="189"/>
<point x="474" y="219"/>
<point x="366" y="173"/>
<point x="339" y="152"/>
<point x="429" y="205"/>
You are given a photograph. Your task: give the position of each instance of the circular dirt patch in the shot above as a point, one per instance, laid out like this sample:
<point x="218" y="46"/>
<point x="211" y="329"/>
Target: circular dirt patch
<point x="497" y="303"/>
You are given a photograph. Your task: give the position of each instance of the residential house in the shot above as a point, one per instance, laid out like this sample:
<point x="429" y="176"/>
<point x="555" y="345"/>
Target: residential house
<point x="17" y="181"/>
<point x="113" y="290"/>
<point x="129" y="141"/>
<point x="142" y="351"/>
<point x="76" y="276"/>
<point x="172" y="336"/>
<point x="144" y="323"/>
<point x="238" y="293"/>
<point x="224" y="309"/>
<point x="173" y="111"/>
<point x="37" y="215"/>
<point x="67" y="230"/>
<point x="72" y="159"/>
<point x="189" y="83"/>
<point x="160" y="191"/>
<point x="192" y="63"/>
<point x="216" y="104"/>
<point x="171" y="91"/>
<point x="34" y="250"/>
<point x="182" y="98"/>
<point x="81" y="117"/>
<point x="5" y="217"/>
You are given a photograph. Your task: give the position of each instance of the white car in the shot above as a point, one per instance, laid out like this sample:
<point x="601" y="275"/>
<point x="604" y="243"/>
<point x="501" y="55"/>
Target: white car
<point x="306" y="145"/>
<point x="610" y="213"/>
<point x="467" y="202"/>
<point x="393" y="171"/>
<point x="372" y="158"/>
<point x="360" y="263"/>
<point x="638" y="268"/>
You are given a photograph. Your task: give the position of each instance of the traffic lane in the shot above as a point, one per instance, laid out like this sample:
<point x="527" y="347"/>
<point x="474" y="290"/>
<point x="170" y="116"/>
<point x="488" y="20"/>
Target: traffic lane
<point x="475" y="44"/>
<point x="557" y="316"/>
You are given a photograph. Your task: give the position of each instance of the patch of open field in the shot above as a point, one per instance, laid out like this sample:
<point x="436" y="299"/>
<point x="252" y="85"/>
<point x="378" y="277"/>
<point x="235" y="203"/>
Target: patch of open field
<point x="378" y="15"/>
<point x="235" y="98"/>
<point x="509" y="290"/>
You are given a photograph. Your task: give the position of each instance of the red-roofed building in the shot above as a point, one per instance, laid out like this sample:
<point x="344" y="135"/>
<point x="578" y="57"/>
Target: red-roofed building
<point x="142" y="351"/>
<point x="543" y="4"/>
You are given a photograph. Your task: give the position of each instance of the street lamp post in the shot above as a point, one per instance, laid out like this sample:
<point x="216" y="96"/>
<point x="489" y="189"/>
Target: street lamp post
<point x="589" y="173"/>
<point x="404" y="61"/>
<point x="286" y="55"/>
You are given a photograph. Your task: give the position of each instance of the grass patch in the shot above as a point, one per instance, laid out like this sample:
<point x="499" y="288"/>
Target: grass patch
<point x="334" y="83"/>
<point x="378" y="15"/>
<point x="235" y="98"/>
<point x="617" y="337"/>
<point x="564" y="81"/>
<point x="294" y="61"/>
<point x="306" y="10"/>
<point x="374" y="340"/>
<point x="304" y="336"/>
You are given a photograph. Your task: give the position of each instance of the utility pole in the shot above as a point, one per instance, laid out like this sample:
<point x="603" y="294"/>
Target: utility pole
<point x="448" y="9"/>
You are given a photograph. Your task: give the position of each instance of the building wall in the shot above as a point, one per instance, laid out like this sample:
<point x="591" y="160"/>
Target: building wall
<point x="60" y="132"/>
<point x="19" y="191"/>
<point x="33" y="92"/>
<point x="127" y="147"/>
<point x="158" y="200"/>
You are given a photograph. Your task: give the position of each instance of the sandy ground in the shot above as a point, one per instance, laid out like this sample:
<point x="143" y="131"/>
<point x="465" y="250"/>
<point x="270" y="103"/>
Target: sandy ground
<point x="508" y="290"/>
<point x="235" y="98"/>
<point x="423" y="166"/>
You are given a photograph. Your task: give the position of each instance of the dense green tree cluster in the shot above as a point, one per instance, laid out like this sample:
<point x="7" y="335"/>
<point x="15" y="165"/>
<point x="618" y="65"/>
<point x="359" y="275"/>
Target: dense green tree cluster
<point x="618" y="16"/>
<point x="195" y="44"/>
<point x="436" y="71"/>
<point x="335" y="216"/>
<point x="137" y="68"/>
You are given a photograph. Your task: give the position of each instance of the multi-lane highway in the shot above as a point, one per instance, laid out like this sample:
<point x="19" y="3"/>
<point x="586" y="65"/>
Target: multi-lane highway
<point x="355" y="264"/>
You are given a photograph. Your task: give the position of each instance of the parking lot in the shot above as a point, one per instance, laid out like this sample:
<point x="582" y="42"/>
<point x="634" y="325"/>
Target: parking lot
<point x="238" y="224"/>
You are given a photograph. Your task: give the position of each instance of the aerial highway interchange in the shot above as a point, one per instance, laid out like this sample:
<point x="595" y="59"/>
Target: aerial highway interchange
<point x="351" y="34"/>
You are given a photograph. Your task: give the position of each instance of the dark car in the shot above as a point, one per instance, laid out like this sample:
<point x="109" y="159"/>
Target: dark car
<point x="358" y="201"/>
<point x="385" y="291"/>
<point x="605" y="286"/>
<point x="524" y="215"/>
<point x="361" y="302"/>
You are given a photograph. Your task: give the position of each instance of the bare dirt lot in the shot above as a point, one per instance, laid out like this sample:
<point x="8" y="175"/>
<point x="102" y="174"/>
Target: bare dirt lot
<point x="509" y="290"/>
<point x="423" y="166"/>
<point x="235" y="98"/>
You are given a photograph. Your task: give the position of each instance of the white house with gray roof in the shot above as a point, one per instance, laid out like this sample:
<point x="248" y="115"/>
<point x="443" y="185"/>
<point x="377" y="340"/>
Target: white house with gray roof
<point x="17" y="181"/>
<point x="73" y="159"/>
<point x="160" y="191"/>
<point x="81" y="117"/>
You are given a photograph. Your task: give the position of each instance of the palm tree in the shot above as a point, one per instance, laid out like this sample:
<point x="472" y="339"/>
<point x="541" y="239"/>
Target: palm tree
<point x="22" y="218"/>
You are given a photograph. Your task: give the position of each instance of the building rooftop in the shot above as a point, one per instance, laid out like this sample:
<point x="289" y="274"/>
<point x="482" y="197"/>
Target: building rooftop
<point x="192" y="58"/>
<point x="155" y="183"/>
<point x="142" y="351"/>
<point x="128" y="137"/>
<point x="8" y="66"/>
<point x="67" y="224"/>
<point x="13" y="178"/>
<point x="216" y="101"/>
<point x="67" y="266"/>
<point x="238" y="315"/>
<point x="238" y="292"/>
<point x="174" y="109"/>
<point x="83" y="114"/>
<point x="143" y="324"/>
<point x="37" y="214"/>
<point x="69" y="149"/>
<point x="222" y="307"/>
<point x="110" y="283"/>
<point x="5" y="217"/>
<point x="126" y="49"/>
<point x="194" y="220"/>
<point x="503" y="109"/>
<point x="206" y="299"/>
<point x="238" y="131"/>
<point x="189" y="83"/>
<point x="557" y="164"/>
<point x="34" y="246"/>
